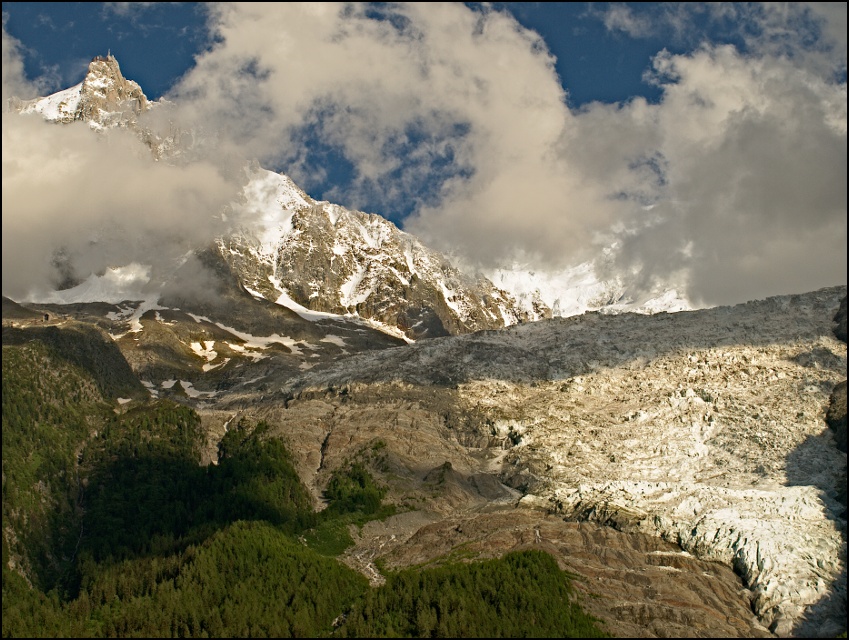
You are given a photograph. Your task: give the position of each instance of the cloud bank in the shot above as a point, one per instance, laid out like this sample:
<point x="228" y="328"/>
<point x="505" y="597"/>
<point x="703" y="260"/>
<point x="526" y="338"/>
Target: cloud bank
<point x="735" y="178"/>
<point x="75" y="203"/>
<point x="733" y="182"/>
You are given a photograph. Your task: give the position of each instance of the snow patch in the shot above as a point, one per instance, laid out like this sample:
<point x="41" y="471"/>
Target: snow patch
<point x="339" y="341"/>
<point x="349" y="288"/>
<point x="263" y="342"/>
<point x="450" y="297"/>
<point x="190" y="390"/>
<point x="150" y="388"/>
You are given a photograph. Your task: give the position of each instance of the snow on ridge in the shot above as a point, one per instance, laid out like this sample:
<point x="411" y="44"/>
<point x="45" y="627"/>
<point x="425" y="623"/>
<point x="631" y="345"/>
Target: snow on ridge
<point x="285" y="300"/>
<point x="61" y="105"/>
<point x="263" y="342"/>
<point x="270" y="200"/>
<point x="116" y="285"/>
<point x="577" y="289"/>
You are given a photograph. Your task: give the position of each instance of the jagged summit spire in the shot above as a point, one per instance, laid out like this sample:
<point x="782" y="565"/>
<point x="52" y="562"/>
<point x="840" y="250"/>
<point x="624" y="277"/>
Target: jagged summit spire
<point x="104" y="98"/>
<point x="105" y="64"/>
<point x="105" y="90"/>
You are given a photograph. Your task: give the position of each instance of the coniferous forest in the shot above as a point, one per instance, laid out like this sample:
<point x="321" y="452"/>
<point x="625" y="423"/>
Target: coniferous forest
<point x="112" y="527"/>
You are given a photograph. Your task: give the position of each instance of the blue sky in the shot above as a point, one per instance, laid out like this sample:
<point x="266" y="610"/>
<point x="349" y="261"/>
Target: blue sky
<point x="156" y="44"/>
<point x="682" y="134"/>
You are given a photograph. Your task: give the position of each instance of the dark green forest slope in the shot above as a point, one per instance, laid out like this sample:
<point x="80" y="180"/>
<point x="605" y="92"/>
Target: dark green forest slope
<point x="111" y="527"/>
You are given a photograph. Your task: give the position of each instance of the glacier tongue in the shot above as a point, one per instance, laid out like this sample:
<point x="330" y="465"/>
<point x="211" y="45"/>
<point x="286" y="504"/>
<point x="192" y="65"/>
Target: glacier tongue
<point x="705" y="428"/>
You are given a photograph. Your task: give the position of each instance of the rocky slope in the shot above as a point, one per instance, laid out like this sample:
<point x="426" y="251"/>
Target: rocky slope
<point x="639" y="585"/>
<point x="195" y="348"/>
<point x="326" y="258"/>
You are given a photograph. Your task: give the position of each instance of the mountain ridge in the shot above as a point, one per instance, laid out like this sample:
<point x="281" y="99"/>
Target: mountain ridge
<point x="289" y="248"/>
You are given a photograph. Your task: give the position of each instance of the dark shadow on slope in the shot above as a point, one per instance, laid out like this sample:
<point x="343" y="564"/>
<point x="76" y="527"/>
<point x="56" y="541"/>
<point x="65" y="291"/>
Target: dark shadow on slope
<point x="84" y="346"/>
<point x="819" y="463"/>
<point x="562" y="348"/>
<point x="14" y="311"/>
<point x="833" y="606"/>
<point x="149" y="497"/>
<point x="820" y="358"/>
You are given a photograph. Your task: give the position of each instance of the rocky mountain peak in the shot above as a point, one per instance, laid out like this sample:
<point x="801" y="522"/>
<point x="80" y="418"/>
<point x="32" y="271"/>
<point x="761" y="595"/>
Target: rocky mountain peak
<point x="104" y="99"/>
<point x="106" y="91"/>
<point x="326" y="258"/>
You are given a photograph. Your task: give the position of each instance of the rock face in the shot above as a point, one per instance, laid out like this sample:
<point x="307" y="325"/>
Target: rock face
<point x="326" y="258"/>
<point x="639" y="585"/>
<point x="840" y="319"/>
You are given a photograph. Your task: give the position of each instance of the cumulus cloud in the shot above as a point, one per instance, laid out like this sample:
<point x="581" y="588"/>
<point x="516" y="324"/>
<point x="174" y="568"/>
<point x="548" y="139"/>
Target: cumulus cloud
<point x="15" y="82"/>
<point x="749" y="160"/>
<point x="463" y="101"/>
<point x="620" y="17"/>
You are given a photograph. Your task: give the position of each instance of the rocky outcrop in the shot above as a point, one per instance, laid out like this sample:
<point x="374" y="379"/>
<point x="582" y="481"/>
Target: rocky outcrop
<point x="840" y="320"/>
<point x="106" y="97"/>
<point x="352" y="262"/>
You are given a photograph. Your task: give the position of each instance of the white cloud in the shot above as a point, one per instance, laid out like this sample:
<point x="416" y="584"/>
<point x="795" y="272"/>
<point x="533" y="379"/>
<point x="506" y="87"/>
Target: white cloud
<point x="742" y="157"/>
<point x="100" y="201"/>
<point x="752" y="152"/>
<point x="477" y="87"/>
<point x="620" y="17"/>
<point x="15" y="82"/>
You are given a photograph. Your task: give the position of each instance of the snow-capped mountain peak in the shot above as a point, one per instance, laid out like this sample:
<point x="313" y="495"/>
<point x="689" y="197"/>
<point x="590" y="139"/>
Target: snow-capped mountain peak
<point x="327" y="258"/>
<point x="105" y="98"/>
